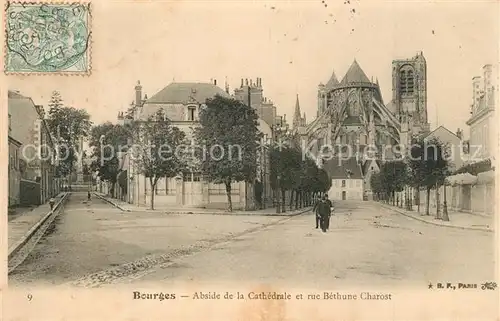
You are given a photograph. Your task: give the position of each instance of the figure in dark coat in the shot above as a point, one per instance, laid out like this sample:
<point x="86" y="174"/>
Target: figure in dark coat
<point x="330" y="206"/>
<point x="324" y="212"/>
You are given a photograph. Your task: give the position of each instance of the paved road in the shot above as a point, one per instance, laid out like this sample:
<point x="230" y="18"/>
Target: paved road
<point x="90" y="237"/>
<point x="367" y="245"/>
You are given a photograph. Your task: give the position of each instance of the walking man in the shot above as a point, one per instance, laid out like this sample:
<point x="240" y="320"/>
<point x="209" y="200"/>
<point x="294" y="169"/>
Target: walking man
<point x="324" y="212"/>
<point x="89" y="197"/>
<point x="330" y="209"/>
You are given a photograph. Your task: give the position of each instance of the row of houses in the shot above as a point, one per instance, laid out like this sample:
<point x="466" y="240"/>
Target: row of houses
<point x="31" y="168"/>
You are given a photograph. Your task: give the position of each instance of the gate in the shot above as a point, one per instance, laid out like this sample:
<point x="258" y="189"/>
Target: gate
<point x="193" y="195"/>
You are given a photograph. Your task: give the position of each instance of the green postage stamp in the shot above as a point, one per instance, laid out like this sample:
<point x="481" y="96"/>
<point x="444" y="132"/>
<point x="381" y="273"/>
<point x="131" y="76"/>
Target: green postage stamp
<point x="47" y="38"/>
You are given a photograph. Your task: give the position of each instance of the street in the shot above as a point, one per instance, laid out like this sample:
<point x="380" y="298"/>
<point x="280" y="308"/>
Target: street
<point x="366" y="246"/>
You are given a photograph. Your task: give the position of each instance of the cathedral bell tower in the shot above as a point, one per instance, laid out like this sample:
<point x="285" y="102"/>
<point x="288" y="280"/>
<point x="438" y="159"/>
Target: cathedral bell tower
<point x="409" y="92"/>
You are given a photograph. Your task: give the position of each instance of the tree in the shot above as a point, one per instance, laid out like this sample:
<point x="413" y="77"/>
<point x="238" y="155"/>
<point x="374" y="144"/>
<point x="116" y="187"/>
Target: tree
<point x="67" y="125"/>
<point x="106" y="150"/>
<point x="393" y="178"/>
<point x="284" y="164"/>
<point x="158" y="149"/>
<point x="429" y="165"/>
<point x="229" y="135"/>
<point x="325" y="183"/>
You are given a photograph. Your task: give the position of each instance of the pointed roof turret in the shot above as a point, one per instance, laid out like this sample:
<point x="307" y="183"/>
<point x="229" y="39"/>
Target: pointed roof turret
<point x="333" y="81"/>
<point x="296" y="115"/>
<point x="355" y="75"/>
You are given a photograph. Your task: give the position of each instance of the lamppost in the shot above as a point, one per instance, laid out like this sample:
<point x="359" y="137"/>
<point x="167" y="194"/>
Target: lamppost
<point x="445" y="203"/>
<point x="101" y="140"/>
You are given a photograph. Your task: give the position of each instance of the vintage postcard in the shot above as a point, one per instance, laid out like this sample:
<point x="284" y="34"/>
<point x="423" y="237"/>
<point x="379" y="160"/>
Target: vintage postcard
<point x="250" y="160"/>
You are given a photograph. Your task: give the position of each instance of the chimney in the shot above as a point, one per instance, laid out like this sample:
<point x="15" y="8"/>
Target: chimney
<point x="246" y="82"/>
<point x="241" y="82"/>
<point x="138" y="94"/>
<point x="459" y="133"/>
<point x="215" y="82"/>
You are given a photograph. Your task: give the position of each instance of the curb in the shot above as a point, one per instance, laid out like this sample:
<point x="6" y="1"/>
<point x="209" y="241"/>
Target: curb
<point x="110" y="202"/>
<point x="435" y="223"/>
<point x="24" y="239"/>
<point x="249" y="213"/>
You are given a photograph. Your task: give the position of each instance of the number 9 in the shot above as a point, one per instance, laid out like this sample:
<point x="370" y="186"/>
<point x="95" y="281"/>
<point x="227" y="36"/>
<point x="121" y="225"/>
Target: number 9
<point x="30" y="297"/>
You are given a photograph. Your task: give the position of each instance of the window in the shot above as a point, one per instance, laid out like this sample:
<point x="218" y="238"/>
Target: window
<point x="406" y="81"/>
<point x="191" y="112"/>
<point x="16" y="159"/>
<point x="192" y="177"/>
<point x="343" y="183"/>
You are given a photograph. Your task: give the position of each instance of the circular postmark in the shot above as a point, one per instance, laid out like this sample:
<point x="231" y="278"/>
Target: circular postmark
<point x="47" y="38"/>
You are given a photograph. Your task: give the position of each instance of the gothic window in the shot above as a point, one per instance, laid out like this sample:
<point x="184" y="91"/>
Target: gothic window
<point x="354" y="110"/>
<point x="410" y="82"/>
<point x="407" y="81"/>
<point x="402" y="81"/>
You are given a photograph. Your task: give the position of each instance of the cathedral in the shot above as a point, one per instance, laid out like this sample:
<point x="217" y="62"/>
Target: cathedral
<point x="359" y="129"/>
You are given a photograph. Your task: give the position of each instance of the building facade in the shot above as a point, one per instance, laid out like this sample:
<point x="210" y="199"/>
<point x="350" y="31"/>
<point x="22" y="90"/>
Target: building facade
<point x="182" y="103"/>
<point x="14" y="172"/>
<point x="36" y="160"/>
<point x="483" y="139"/>
<point x="347" y="179"/>
<point x="354" y="122"/>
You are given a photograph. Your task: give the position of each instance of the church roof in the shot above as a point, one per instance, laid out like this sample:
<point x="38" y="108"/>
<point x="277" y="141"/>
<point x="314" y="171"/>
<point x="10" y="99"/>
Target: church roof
<point x="339" y="168"/>
<point x="355" y="75"/>
<point x="181" y="93"/>
<point x="333" y="81"/>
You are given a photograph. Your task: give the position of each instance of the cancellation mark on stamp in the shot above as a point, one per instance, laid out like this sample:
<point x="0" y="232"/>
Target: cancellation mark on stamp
<point x="47" y="37"/>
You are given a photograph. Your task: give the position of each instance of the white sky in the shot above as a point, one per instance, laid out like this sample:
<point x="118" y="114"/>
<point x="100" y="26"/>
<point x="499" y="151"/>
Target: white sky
<point x="290" y="47"/>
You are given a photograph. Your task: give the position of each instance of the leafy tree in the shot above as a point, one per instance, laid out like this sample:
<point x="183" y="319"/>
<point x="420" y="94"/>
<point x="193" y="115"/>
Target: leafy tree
<point x="158" y="149"/>
<point x="283" y="166"/>
<point x="429" y="165"/>
<point x="325" y="183"/>
<point x="393" y="177"/>
<point x="67" y="125"/>
<point x="229" y="132"/>
<point x="105" y="150"/>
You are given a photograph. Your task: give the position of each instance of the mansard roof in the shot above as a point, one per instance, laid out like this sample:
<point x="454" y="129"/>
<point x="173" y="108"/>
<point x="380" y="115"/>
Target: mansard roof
<point x="182" y="93"/>
<point x="355" y="75"/>
<point x="339" y="168"/>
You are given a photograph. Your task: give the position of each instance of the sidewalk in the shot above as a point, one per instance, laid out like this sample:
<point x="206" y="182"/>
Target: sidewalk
<point x="459" y="220"/>
<point x="19" y="226"/>
<point x="126" y="207"/>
